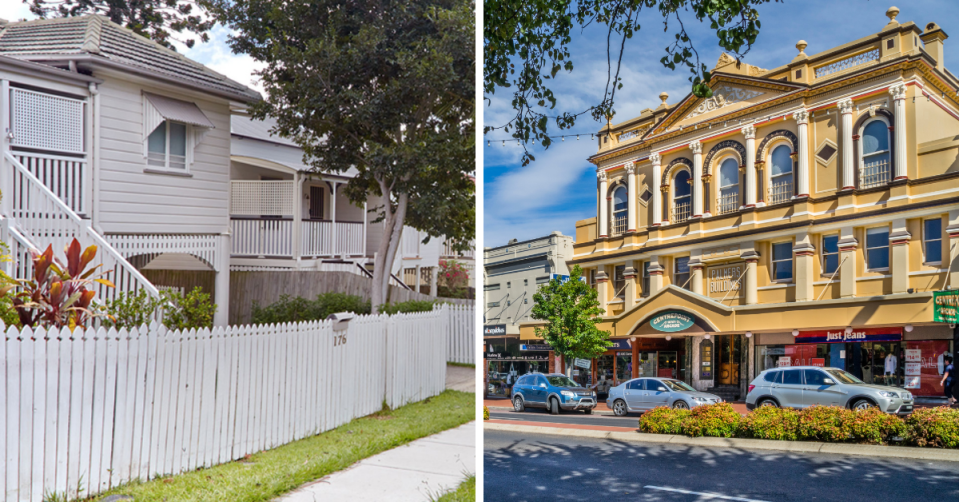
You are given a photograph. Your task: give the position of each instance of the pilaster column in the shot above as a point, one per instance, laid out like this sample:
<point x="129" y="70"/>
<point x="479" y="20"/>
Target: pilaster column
<point x="847" y="262"/>
<point x="630" y="275"/>
<point x="952" y="230"/>
<point x="706" y="192"/>
<point x="848" y="174"/>
<point x="696" y="275"/>
<point x="760" y="184"/>
<point x="802" y="166"/>
<point x="804" y="253"/>
<point x="655" y="275"/>
<point x="697" y="194"/>
<point x="750" y="280"/>
<point x="657" y="193"/>
<point x="631" y="218"/>
<point x="750" y="133"/>
<point x="602" y="284"/>
<point x="221" y="286"/>
<point x="899" y="250"/>
<point x="603" y="204"/>
<point x="898" y="92"/>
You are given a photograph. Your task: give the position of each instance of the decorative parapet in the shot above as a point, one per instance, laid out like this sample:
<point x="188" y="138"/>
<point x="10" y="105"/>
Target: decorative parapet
<point x="847" y="63"/>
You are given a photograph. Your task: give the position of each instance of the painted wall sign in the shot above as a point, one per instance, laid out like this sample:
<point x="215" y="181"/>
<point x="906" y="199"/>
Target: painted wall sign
<point x="857" y="335"/>
<point x="671" y="322"/>
<point x="706" y="360"/>
<point x="945" y="305"/>
<point x="721" y="280"/>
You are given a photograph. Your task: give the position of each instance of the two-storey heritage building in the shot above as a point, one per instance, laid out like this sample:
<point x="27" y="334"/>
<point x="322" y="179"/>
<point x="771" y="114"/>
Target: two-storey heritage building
<point x="800" y="215"/>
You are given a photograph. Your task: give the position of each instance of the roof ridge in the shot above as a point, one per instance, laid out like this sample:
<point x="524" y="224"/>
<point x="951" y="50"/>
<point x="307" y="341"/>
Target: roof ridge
<point x="91" y="39"/>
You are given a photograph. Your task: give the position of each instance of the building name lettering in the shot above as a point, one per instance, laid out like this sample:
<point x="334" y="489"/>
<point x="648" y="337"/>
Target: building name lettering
<point x="725" y="279"/>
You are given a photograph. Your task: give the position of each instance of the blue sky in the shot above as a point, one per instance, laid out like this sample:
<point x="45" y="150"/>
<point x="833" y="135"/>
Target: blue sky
<point x="558" y="189"/>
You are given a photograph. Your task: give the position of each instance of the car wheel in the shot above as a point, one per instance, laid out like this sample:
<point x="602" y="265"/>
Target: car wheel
<point x="680" y="405"/>
<point x="619" y="408"/>
<point x="588" y="411"/>
<point x="553" y="406"/>
<point x="862" y="404"/>
<point x="768" y="403"/>
<point x="518" y="404"/>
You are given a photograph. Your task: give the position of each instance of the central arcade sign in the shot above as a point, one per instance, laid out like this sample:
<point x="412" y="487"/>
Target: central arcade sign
<point x="671" y="322"/>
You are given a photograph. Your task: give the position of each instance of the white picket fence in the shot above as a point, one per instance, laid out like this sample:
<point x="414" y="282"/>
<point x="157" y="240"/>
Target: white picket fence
<point x="461" y="338"/>
<point x="94" y="409"/>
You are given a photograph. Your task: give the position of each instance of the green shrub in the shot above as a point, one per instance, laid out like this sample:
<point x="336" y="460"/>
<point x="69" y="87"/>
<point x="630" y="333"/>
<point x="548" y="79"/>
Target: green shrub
<point x="873" y="426"/>
<point x="663" y="420"/>
<point x="934" y="427"/>
<point x="825" y="423"/>
<point x="297" y="309"/>
<point x="407" y="307"/>
<point x="717" y="420"/>
<point x="485" y="413"/>
<point x="770" y="423"/>
<point x="129" y="309"/>
<point x="191" y="311"/>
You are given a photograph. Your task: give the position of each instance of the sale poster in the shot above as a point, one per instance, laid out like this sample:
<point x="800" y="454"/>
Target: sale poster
<point x="913" y="355"/>
<point x="924" y="366"/>
<point x="817" y="361"/>
<point x="784" y="361"/>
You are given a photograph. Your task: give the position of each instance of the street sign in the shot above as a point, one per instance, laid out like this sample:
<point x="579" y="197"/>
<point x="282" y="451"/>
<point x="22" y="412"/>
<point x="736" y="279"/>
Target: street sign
<point x="944" y="306"/>
<point x="582" y="363"/>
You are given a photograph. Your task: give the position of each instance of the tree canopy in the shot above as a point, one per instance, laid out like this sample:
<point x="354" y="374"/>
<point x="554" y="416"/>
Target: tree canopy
<point x="382" y="87"/>
<point x="159" y="20"/>
<point x="527" y="45"/>
<point x="571" y="310"/>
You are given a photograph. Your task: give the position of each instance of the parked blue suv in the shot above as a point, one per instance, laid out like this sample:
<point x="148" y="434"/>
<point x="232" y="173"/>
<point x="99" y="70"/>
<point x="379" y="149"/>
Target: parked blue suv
<point x="553" y="392"/>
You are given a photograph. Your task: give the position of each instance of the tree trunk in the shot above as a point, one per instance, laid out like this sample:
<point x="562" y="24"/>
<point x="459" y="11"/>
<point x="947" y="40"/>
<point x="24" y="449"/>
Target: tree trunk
<point x="386" y="251"/>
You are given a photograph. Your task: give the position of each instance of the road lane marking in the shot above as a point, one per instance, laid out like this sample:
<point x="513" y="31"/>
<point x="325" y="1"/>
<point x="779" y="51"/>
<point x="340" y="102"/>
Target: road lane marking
<point x="704" y="494"/>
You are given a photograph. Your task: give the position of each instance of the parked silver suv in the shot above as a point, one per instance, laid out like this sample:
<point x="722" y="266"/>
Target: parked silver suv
<point x="802" y="386"/>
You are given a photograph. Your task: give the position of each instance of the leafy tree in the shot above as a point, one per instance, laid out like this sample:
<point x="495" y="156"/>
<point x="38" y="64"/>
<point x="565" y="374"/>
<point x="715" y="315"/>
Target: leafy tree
<point x="385" y="87"/>
<point x="154" y="19"/>
<point x="570" y="308"/>
<point x="526" y="44"/>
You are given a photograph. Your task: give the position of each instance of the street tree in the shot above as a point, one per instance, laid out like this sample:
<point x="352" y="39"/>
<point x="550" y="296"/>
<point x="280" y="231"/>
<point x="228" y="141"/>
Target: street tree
<point x="527" y="44"/>
<point x="570" y="309"/>
<point x="382" y="87"/>
<point x="160" y="20"/>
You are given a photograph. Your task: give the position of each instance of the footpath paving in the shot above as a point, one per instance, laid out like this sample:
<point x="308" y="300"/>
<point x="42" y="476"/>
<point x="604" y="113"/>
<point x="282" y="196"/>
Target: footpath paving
<point x="415" y="472"/>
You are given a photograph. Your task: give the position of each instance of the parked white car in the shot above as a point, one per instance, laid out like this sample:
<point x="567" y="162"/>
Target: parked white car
<point x="642" y="394"/>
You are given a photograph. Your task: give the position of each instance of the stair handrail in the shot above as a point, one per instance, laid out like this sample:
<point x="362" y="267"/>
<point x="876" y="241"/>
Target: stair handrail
<point x="101" y="243"/>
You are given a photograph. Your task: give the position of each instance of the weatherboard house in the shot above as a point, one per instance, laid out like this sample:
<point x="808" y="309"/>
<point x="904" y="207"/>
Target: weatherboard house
<point x="802" y="215"/>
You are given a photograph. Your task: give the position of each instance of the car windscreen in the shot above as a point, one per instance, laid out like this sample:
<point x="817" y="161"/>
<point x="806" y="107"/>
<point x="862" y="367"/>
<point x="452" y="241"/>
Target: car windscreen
<point x="843" y="376"/>
<point x="676" y="385"/>
<point x="561" y="381"/>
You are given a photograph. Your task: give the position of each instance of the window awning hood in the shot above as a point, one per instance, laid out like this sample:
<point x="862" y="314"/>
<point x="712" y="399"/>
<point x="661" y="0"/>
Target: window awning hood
<point x="162" y="108"/>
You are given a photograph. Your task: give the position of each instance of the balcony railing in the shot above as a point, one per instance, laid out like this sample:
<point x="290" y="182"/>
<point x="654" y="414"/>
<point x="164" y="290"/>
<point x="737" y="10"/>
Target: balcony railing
<point x="273" y="237"/>
<point x="874" y="174"/>
<point x="780" y="191"/>
<point x="318" y="238"/>
<point x="262" y="236"/>
<point x="727" y="202"/>
<point x="619" y="224"/>
<point x="681" y="212"/>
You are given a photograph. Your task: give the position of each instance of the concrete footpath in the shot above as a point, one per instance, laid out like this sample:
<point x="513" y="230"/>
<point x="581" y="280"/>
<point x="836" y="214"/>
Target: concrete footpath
<point x="747" y="444"/>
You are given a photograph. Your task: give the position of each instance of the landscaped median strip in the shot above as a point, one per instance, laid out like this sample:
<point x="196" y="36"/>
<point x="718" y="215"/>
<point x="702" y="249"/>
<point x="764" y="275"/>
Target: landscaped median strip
<point x="267" y="474"/>
<point x="753" y="444"/>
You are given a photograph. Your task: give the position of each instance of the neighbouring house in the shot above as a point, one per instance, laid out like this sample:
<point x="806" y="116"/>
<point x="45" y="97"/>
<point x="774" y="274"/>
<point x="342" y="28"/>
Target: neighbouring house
<point x="801" y="215"/>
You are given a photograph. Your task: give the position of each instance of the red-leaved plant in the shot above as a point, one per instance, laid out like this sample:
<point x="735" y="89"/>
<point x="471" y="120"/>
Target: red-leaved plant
<point x="58" y="296"/>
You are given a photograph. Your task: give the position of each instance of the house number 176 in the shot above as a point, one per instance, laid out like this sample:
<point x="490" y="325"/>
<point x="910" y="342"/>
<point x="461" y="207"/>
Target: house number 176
<point x="339" y="340"/>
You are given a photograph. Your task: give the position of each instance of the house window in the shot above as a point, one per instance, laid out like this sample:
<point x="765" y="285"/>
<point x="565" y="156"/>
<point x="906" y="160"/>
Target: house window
<point x="681" y="272"/>
<point x="728" y="186"/>
<point x="509" y="285"/>
<point x="932" y="240"/>
<point x="877" y="248"/>
<point x="681" y="196"/>
<point x="875" y="154"/>
<point x="830" y="254"/>
<point x="592" y="278"/>
<point x="166" y="146"/>
<point x="491" y="287"/>
<point x="540" y="281"/>
<point x="798" y="73"/>
<point x="525" y="282"/>
<point x="619" y="281"/>
<point x="492" y="304"/>
<point x="783" y="261"/>
<point x="620" y="201"/>
<point x="781" y="175"/>
<point x="645" y="291"/>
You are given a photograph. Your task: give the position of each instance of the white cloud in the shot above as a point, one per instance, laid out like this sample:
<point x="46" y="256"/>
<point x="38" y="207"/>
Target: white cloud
<point x="218" y="56"/>
<point x="15" y="10"/>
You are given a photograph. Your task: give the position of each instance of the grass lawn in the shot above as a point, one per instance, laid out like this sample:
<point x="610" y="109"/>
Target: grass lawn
<point x="462" y="365"/>
<point x="270" y="473"/>
<point x="465" y="493"/>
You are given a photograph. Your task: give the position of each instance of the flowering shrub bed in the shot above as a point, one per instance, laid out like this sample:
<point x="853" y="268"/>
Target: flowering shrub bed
<point x="485" y="413"/>
<point x="931" y="427"/>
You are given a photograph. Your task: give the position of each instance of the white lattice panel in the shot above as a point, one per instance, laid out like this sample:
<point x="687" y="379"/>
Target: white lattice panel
<point x="46" y="122"/>
<point x="262" y="198"/>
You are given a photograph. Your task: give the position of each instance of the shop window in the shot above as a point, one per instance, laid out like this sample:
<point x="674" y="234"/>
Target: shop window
<point x="932" y="240"/>
<point x="877" y="248"/>
<point x="782" y="261"/>
<point x="681" y="272"/>
<point x="830" y="254"/>
<point x="619" y="281"/>
<point x="645" y="292"/>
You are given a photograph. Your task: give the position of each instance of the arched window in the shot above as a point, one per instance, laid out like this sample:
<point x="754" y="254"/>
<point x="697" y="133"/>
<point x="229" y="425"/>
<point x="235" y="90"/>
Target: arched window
<point x="728" y="186"/>
<point x="780" y="175"/>
<point x="682" y="201"/>
<point x="620" y="207"/>
<point x="875" y="154"/>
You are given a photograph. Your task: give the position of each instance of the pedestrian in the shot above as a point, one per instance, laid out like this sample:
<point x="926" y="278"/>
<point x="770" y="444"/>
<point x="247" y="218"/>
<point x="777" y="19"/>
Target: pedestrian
<point x="948" y="379"/>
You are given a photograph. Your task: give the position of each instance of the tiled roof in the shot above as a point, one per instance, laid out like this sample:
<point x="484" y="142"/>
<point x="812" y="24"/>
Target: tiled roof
<point x="99" y="37"/>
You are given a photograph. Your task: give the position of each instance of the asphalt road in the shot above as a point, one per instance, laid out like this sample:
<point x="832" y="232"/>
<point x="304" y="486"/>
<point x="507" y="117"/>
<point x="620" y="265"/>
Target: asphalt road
<point x="569" y="417"/>
<point x="532" y="467"/>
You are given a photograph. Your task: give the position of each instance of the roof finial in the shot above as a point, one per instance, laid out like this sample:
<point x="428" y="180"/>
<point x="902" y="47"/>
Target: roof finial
<point x="663" y="97"/>
<point x="801" y="45"/>
<point x="892" y="13"/>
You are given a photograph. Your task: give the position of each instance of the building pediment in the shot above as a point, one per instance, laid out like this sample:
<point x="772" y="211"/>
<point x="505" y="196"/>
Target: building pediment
<point x="709" y="315"/>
